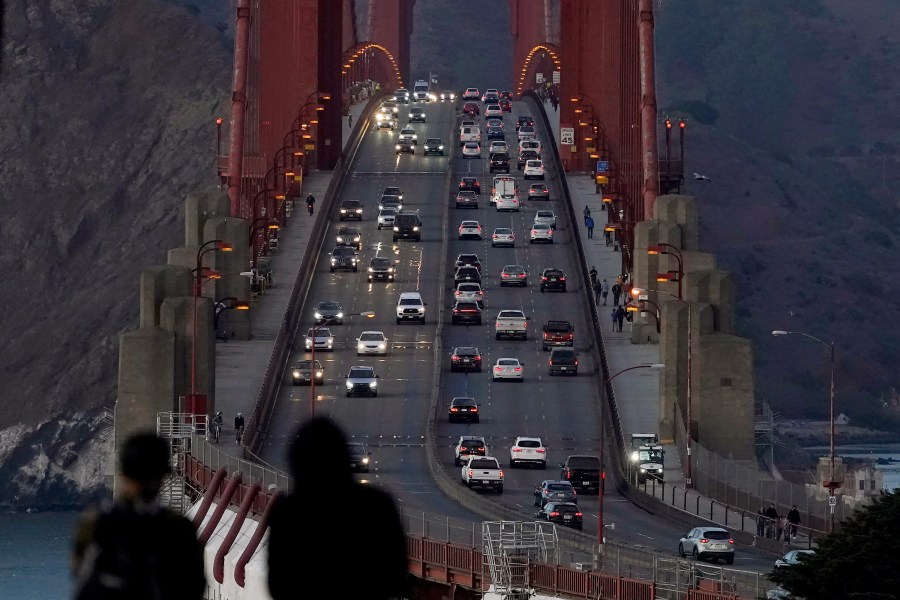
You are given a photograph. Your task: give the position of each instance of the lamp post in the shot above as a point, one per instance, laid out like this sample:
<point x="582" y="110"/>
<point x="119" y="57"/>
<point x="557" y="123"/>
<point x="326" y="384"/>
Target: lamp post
<point x="600" y="525"/>
<point x="229" y="303"/>
<point x="831" y="484"/>
<point x="312" y="363"/>
<point x="199" y="277"/>
<point x="674" y="251"/>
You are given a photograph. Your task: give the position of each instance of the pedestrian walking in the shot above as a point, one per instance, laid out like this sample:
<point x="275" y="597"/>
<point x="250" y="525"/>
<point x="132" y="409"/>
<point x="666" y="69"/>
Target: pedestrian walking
<point x="616" y="291"/>
<point x="593" y="275"/>
<point x="134" y="548"/>
<point x="793" y="518"/>
<point x="238" y="427"/>
<point x="620" y="316"/>
<point x="586" y="212"/>
<point x="771" y="521"/>
<point x="350" y="120"/>
<point x="614" y="318"/>
<point x="369" y="522"/>
<point x="608" y="236"/>
<point x="761" y="522"/>
<point x="598" y="290"/>
<point x="604" y="289"/>
<point x="589" y="223"/>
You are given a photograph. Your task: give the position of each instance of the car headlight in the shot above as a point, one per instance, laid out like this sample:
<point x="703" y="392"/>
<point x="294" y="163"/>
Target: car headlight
<point x="349" y="384"/>
<point x="333" y="261"/>
<point x="340" y="240"/>
<point x="308" y="343"/>
<point x="440" y="147"/>
<point x="373" y="384"/>
<point x="360" y="346"/>
<point x="365" y="460"/>
<point x="318" y="315"/>
<point x="643" y="470"/>
<point x="415" y="228"/>
<point x="398" y="146"/>
<point x="356" y="239"/>
<point x="330" y="341"/>
<point x="371" y="270"/>
<point x="320" y="373"/>
<point x="340" y="315"/>
<point x="396" y="229"/>
<point x="415" y="137"/>
<point x="390" y="269"/>
<point x="359" y="211"/>
<point x="381" y="346"/>
<point x="353" y="260"/>
<point x="296" y="374"/>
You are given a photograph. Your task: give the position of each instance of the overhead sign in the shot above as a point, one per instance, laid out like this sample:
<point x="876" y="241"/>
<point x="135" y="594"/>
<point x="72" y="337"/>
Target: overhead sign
<point x="556" y="77"/>
<point x="602" y="166"/>
<point x="566" y="136"/>
<point x="539" y="78"/>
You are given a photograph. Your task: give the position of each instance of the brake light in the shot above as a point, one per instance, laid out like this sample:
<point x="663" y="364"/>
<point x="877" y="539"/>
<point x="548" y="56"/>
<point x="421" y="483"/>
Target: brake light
<point x="576" y="362"/>
<point x="517" y="449"/>
<point x="562" y="278"/>
<point x="543" y="279"/>
<point x="731" y="542"/>
<point x="704" y="541"/>
<point x="501" y="474"/>
<point x="470" y="472"/>
<point x="473" y="409"/>
<point x="568" y="475"/>
<point x="578" y="514"/>
<point x="455" y="357"/>
<point x="518" y="369"/>
<point x="555" y="513"/>
<point x="540" y="450"/>
<point x="521" y="274"/>
<point x="454" y="409"/>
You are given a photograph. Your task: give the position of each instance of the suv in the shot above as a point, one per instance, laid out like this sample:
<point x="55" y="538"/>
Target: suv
<point x="362" y="380"/>
<point x="554" y="491"/>
<point x="407" y="134"/>
<point x="468" y="260"/>
<point x="434" y="146"/>
<point x="707" y="543"/>
<point x="410" y="307"/>
<point x="563" y="361"/>
<point x="302" y="373"/>
<point x="466" y="199"/>
<point x="349" y="236"/>
<point x="530" y="450"/>
<point x="553" y="279"/>
<point x="499" y="163"/>
<point x="417" y="113"/>
<point x="470" y="184"/>
<point x="468" y="446"/>
<point x="463" y="409"/>
<point x="380" y="269"/>
<point x="538" y="191"/>
<point x="351" y="209"/>
<point x="582" y="471"/>
<point x="524" y="120"/>
<point x="407" y="226"/>
<point x="466" y="273"/>
<point x="359" y="457"/>
<point x="525" y="156"/>
<point x="344" y="257"/>
<point x="465" y="358"/>
<point x="466" y="311"/>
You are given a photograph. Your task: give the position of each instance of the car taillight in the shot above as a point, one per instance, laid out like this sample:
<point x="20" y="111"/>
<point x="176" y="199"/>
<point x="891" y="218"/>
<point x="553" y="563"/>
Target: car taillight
<point x="704" y="541"/>
<point x="521" y="274"/>
<point x="501" y="474"/>
<point x="470" y="472"/>
<point x="578" y="514"/>
<point x="543" y="279"/>
<point x="481" y="449"/>
<point x="518" y="369"/>
<point x="473" y="409"/>
<point x="455" y="357"/>
<point x="562" y="278"/>
<point x="731" y="542"/>
<point x="568" y="475"/>
<point x="576" y="362"/>
<point x="540" y="450"/>
<point x="477" y="358"/>
<point x="454" y="409"/>
<point x="498" y="368"/>
<point x="555" y="513"/>
<point x="517" y="449"/>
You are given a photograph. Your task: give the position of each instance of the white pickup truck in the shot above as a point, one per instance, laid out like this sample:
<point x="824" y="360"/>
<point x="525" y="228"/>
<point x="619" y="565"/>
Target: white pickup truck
<point x="482" y="471"/>
<point x="511" y="323"/>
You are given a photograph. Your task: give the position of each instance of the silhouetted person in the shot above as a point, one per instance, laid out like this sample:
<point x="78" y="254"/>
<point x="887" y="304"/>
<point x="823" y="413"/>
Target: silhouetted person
<point x="350" y="120"/>
<point x="310" y="203"/>
<point x="593" y="275"/>
<point x="589" y="223"/>
<point x="616" y="291"/>
<point x="134" y="548"/>
<point x="620" y="317"/>
<point x="793" y="518"/>
<point x="309" y="534"/>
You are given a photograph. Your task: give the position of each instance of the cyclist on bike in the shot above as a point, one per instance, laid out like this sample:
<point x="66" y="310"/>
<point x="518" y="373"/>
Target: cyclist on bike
<point x="310" y="203"/>
<point x="238" y="427"/>
<point x="217" y="426"/>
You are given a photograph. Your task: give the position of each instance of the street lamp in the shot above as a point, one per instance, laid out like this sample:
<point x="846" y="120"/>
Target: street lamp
<point x="668" y="276"/>
<point x="831" y="484"/>
<point x="312" y="363"/>
<point x="601" y="527"/>
<point x="229" y="303"/>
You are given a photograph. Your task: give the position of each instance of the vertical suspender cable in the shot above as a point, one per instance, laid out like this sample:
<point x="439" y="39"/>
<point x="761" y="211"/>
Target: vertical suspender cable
<point x="238" y="106"/>
<point x="648" y="109"/>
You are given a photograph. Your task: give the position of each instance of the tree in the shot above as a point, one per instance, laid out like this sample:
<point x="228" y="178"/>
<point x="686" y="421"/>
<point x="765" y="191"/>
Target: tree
<point x="859" y="561"/>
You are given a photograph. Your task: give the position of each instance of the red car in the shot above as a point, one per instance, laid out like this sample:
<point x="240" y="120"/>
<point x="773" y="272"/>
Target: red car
<point x="471" y="109"/>
<point x="505" y="105"/>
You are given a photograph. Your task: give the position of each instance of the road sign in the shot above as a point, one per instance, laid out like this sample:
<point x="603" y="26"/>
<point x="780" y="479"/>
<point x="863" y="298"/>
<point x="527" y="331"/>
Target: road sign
<point x="602" y="166"/>
<point x="556" y="77"/>
<point x="539" y="78"/>
<point x="566" y="136"/>
<point x="832" y="501"/>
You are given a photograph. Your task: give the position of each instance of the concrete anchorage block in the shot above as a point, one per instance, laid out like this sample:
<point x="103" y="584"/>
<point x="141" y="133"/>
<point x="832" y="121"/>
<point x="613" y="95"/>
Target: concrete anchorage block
<point x="673" y="379"/>
<point x="230" y="265"/>
<point x="199" y="207"/>
<point x="156" y="284"/>
<point x="146" y="384"/>
<point x="646" y="267"/>
<point x="176" y="316"/>
<point x="717" y="288"/>
<point x="680" y="209"/>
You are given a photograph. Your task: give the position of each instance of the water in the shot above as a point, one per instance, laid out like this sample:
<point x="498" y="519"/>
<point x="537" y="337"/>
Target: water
<point x="34" y="555"/>
<point x="891" y="471"/>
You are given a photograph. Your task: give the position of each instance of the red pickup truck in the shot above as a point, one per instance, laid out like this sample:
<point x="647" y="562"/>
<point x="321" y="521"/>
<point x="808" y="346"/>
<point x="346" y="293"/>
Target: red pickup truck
<point x="558" y="333"/>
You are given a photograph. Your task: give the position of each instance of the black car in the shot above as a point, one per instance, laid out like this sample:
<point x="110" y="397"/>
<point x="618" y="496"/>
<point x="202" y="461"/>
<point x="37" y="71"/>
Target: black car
<point x="393" y="190"/>
<point x="495" y="132"/>
<point x="467" y="274"/>
<point x="417" y="114"/>
<point x="302" y="373"/>
<point x="468" y="260"/>
<point x="470" y="184"/>
<point x="554" y="280"/>
<point x="463" y="409"/>
<point x="466" y="199"/>
<point x="381" y="269"/>
<point x="582" y="471"/>
<point x="491" y="98"/>
<point x="563" y="361"/>
<point x="562" y="513"/>
<point x="466" y="313"/>
<point x="351" y="210"/>
<point x="465" y="358"/>
<point x="409" y="147"/>
<point x="390" y="201"/>
<point x="343" y="257"/>
<point x="407" y="226"/>
<point x="554" y="491"/>
<point x="349" y="236"/>
<point x="526" y="155"/>
<point x="434" y="146"/>
<point x="359" y="457"/>
<point x="524" y="120"/>
<point x="499" y="163"/>
<point x="329" y="312"/>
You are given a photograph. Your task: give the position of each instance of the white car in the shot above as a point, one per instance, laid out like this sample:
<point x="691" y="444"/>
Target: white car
<point x="547" y="217"/>
<point x="469" y="291"/>
<point x="528" y="450"/>
<point x="407" y="136"/>
<point x="498" y="148"/>
<point x="541" y="232"/>
<point x="503" y="236"/>
<point x="508" y="368"/>
<point x="530" y="144"/>
<point x="410" y="307"/>
<point x="386" y="217"/>
<point x="447" y="95"/>
<point x="471" y="150"/>
<point x="507" y="202"/>
<point x="324" y="339"/>
<point x="534" y="169"/>
<point x="526" y="132"/>
<point x="466" y="123"/>
<point x="371" y="342"/>
<point x="471" y="94"/>
<point x="470" y="229"/>
<point x="493" y="111"/>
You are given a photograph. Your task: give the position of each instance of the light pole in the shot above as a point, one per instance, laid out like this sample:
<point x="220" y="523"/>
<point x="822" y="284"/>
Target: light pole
<point x="312" y="363"/>
<point x="216" y="245"/>
<point x="831" y="484"/>
<point x="228" y="303"/>
<point x="600" y="525"/>
<point x="669" y="249"/>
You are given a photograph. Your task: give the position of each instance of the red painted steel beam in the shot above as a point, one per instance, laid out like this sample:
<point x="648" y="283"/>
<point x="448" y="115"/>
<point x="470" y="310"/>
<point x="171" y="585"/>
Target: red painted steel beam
<point x="526" y="24"/>
<point x="649" y="146"/>
<point x="233" y="531"/>
<point x="329" y="143"/>
<point x="392" y="26"/>
<point x="208" y="496"/>
<point x="238" y="106"/>
<point x="241" y="565"/>
<point x="224" y="500"/>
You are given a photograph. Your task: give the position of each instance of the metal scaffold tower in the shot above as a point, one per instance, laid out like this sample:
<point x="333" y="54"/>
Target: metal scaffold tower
<point x="508" y="548"/>
<point x="177" y="428"/>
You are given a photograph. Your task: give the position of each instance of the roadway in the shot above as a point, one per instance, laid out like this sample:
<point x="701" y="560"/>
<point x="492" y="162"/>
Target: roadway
<point x="563" y="411"/>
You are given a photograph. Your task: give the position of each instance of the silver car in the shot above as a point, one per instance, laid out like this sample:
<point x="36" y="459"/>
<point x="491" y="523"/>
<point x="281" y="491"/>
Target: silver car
<point x="372" y="342"/>
<point x="554" y="491"/>
<point x="792" y="558"/>
<point x="329" y="312"/>
<point x="546" y="217"/>
<point x="386" y="217"/>
<point x="362" y="381"/>
<point x="324" y="339"/>
<point x="707" y="543"/>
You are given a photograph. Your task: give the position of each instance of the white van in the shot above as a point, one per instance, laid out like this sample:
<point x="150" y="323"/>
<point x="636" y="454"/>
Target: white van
<point x="469" y="133"/>
<point x="504" y="186"/>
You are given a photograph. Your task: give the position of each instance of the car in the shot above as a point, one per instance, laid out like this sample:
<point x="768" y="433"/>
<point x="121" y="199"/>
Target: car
<point x="349" y="236"/>
<point x="407" y="226"/>
<point x="495" y="132"/>
<point x="465" y="358"/>
<point x="505" y="105"/>
<point x="467" y="447"/>
<point x="410" y="307"/>
<point x="534" y="169"/>
<point x="463" y="409"/>
<point x="466" y="274"/>
<point x="302" y="373"/>
<point x="401" y="96"/>
<point x="466" y="199"/>
<point x="408" y="134"/>
<point x="447" y="95"/>
<point x="393" y="190"/>
<point x="482" y="471"/>
<point x="780" y="593"/>
<point x="525" y="132"/>
<point x="490" y="96"/>
<point x="466" y="313"/>
<point x="528" y="450"/>
<point x="329" y="312"/>
<point x="408" y="147"/>
<point x="433" y="146"/>
<point x="563" y="361"/>
<point x="417" y="114"/>
<point x="386" y="217"/>
<point x="554" y="491"/>
<point x="538" y="191"/>
<point x="391" y="107"/>
<point x="372" y="342"/>
<point x="493" y="122"/>
<point x="707" y="543"/>
<point x="384" y="122"/>
<point x="324" y="340"/>
<point x="507" y="202"/>
<point x="513" y="275"/>
<point x="562" y="513"/>
<point x="470" y="133"/>
<point x="499" y="163"/>
<point x="471" y="150"/>
<point x="525" y="156"/>
<point x="582" y="471"/>
<point x="493" y="110"/>
<point x="362" y="380"/>
<point x="541" y="232"/>
<point x="469" y="291"/>
<point x="546" y="217"/>
<point x="524" y="120"/>
<point x="503" y="236"/>
<point x="470" y="229"/>
<point x="466" y="123"/>
<point x="343" y="257"/>
<point x="471" y="109"/>
<point x="792" y="558"/>
<point x="553" y="280"/>
<point x="530" y="144"/>
<point x="470" y="184"/>
<point x="508" y="368"/>
<point x="471" y="94"/>
<point x="351" y="210"/>
<point x="359" y="457"/>
<point x="468" y="260"/>
<point x="380" y="269"/>
<point x="498" y="147"/>
<point x="390" y="202"/>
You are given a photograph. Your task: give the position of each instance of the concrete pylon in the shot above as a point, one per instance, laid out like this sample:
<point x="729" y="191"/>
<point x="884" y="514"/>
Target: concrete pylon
<point x="230" y="265"/>
<point x="176" y="317"/>
<point x="677" y="208"/>
<point x="156" y="284"/>
<point x="200" y="207"/>
<point x="716" y="287"/>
